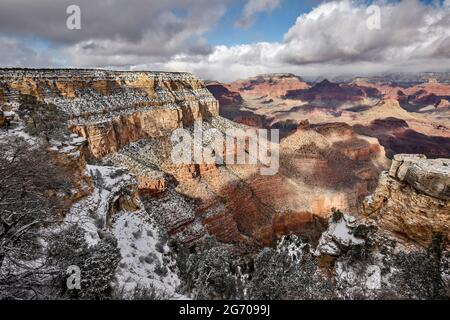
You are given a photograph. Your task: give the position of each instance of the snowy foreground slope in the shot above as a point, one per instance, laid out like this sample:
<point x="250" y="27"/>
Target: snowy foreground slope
<point x="145" y="256"/>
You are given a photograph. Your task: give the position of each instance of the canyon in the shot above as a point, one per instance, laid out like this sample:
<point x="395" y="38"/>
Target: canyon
<point x="412" y="198"/>
<point x="126" y="119"/>
<point x="406" y="117"/>
<point x="342" y="189"/>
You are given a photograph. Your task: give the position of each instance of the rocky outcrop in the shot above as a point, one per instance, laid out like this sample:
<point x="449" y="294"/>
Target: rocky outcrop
<point x="224" y="94"/>
<point x="127" y="119"/>
<point x="340" y="235"/>
<point x="269" y="85"/>
<point x="443" y="104"/>
<point x="237" y="204"/>
<point x="431" y="177"/>
<point x="115" y="191"/>
<point x="232" y="104"/>
<point x="333" y="166"/>
<point x="71" y="154"/>
<point x="111" y="109"/>
<point x="150" y="181"/>
<point x="413" y="198"/>
<point x="397" y="136"/>
<point x="333" y="94"/>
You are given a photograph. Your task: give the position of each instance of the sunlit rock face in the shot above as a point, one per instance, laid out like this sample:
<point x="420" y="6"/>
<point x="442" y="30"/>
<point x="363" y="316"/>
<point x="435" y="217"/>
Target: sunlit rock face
<point x="413" y="198"/>
<point x="111" y="109"/>
<point x="332" y="165"/>
<point x="269" y="85"/>
<point x="407" y="114"/>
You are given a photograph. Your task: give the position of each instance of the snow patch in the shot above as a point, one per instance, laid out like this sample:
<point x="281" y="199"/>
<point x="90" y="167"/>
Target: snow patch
<point x="145" y="261"/>
<point x="338" y="235"/>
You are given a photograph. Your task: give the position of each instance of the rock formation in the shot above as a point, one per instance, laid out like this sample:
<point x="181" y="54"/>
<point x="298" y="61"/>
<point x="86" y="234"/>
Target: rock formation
<point x="413" y="198"/>
<point x="332" y="94"/>
<point x="443" y="104"/>
<point x="368" y="104"/>
<point x="273" y="85"/>
<point x="232" y="105"/>
<point x="120" y="151"/>
<point x="339" y="236"/>
<point x="127" y="119"/>
<point x="111" y="109"/>
<point x="396" y="135"/>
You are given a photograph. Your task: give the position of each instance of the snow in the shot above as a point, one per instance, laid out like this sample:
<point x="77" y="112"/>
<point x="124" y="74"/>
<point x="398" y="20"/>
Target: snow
<point x="90" y="210"/>
<point x="67" y="149"/>
<point x="8" y="114"/>
<point x="79" y="215"/>
<point x="19" y="131"/>
<point x="55" y="143"/>
<point x="359" y="277"/>
<point x="373" y="281"/>
<point x="137" y="240"/>
<point x="339" y="234"/>
<point x="136" y="234"/>
<point x="369" y="200"/>
<point x="294" y="246"/>
<point x="78" y="140"/>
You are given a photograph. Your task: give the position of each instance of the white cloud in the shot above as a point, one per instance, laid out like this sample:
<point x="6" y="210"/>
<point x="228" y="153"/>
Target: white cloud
<point x="252" y="8"/>
<point x="331" y="39"/>
<point x="116" y="27"/>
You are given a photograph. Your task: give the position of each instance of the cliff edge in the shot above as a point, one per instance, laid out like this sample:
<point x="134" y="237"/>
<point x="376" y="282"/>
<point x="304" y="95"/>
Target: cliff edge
<point x="413" y="198"/>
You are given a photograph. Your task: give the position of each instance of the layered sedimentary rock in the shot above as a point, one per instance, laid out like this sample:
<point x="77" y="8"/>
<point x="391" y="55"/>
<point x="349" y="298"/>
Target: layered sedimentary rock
<point x="232" y="104"/>
<point x="397" y="136"/>
<point x="413" y="198"/>
<point x="412" y="96"/>
<point x="111" y="109"/>
<point x="331" y="94"/>
<point x="251" y="101"/>
<point x="334" y="166"/>
<point x="127" y="119"/>
<point x="421" y="103"/>
<point x="238" y="204"/>
<point x="269" y="85"/>
<point x="431" y="177"/>
<point x="443" y="104"/>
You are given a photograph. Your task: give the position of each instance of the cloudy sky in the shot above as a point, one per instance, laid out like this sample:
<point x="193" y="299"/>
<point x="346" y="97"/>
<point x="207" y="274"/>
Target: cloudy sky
<point x="229" y="39"/>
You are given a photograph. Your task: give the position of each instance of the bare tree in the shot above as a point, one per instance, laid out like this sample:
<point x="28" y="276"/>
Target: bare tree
<point x="42" y="119"/>
<point x="31" y="192"/>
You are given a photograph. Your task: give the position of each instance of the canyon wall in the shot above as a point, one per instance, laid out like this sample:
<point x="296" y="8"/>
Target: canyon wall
<point x="111" y="108"/>
<point x="126" y="119"/>
<point x="413" y="198"/>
